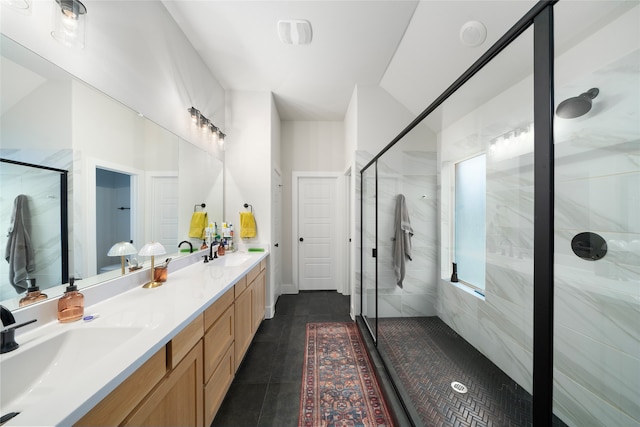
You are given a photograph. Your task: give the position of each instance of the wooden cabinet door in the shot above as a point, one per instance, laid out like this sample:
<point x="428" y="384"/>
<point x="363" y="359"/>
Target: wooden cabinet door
<point x="258" y="287"/>
<point x="114" y="408"/>
<point x="216" y="389"/>
<point x="178" y="399"/>
<point x="243" y="323"/>
<point x="217" y="341"/>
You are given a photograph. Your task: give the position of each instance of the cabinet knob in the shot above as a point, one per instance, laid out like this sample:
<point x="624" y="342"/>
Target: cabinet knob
<point x="301" y="239"/>
<point x="276" y="245"/>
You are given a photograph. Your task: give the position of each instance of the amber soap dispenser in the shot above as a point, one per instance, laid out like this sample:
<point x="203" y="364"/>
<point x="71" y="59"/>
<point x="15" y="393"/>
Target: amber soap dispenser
<point x="33" y="294"/>
<point x="71" y="304"/>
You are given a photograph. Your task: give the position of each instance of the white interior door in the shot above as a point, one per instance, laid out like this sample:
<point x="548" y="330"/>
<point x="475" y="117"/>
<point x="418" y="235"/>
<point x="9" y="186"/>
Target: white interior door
<point x="164" y="211"/>
<point x="317" y="225"/>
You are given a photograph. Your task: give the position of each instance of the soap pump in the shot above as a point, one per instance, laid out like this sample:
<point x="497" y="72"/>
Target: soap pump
<point x="71" y="304"/>
<point x="33" y="294"/>
<point x="454" y="275"/>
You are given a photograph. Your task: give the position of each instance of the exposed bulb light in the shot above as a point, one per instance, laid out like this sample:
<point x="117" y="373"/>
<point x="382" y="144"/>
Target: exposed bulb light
<point x="206" y="125"/>
<point x="195" y="114"/>
<point x="69" y="22"/>
<point x="512" y="143"/>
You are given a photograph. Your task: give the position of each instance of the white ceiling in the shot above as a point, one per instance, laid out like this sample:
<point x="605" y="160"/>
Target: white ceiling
<point x="409" y="48"/>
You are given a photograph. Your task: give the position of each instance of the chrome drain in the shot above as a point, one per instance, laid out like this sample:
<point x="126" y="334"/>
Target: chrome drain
<point x="459" y="387"/>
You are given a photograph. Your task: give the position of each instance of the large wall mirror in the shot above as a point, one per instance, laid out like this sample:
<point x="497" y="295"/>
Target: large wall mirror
<point x="128" y="179"/>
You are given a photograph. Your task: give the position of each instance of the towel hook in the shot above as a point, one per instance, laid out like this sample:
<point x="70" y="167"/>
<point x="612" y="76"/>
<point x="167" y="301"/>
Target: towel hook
<point x="202" y="205"/>
<point x="246" y="205"/>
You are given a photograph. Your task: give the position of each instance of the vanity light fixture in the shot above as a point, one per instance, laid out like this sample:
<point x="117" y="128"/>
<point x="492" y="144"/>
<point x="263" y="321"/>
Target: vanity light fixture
<point x="513" y="143"/>
<point x="195" y="114"/>
<point x="204" y="124"/>
<point x="69" y="18"/>
<point x="152" y="249"/>
<point x="122" y="249"/>
<point x="207" y="125"/>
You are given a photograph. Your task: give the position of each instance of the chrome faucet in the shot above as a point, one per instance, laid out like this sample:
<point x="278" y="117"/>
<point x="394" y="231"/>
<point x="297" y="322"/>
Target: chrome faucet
<point x="188" y="243"/>
<point x="7" y="336"/>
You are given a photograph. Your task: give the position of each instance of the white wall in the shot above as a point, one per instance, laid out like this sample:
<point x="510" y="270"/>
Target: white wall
<point x="248" y="165"/>
<point x="275" y="262"/>
<point x="306" y="147"/>
<point x="373" y="119"/>
<point x="139" y="57"/>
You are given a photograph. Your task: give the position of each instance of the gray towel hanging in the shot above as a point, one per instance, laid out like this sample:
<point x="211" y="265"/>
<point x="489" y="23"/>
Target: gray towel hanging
<point x="19" y="250"/>
<point x="402" y="239"/>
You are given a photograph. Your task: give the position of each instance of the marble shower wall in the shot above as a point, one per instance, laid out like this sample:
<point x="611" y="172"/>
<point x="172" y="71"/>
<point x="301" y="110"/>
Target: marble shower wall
<point x="500" y="325"/>
<point x="412" y="173"/>
<point x="42" y="189"/>
<point x="597" y="303"/>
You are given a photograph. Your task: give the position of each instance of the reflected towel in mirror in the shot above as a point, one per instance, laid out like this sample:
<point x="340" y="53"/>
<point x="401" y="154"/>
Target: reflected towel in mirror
<point x="199" y="222"/>
<point x="19" y="250"/>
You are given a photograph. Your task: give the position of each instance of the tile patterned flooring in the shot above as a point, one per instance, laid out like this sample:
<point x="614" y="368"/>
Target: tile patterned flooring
<point x="427" y="356"/>
<point x="266" y="389"/>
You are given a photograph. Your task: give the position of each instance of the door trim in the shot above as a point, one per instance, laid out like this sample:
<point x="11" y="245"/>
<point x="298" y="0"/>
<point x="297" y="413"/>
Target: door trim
<point x="339" y="255"/>
<point x="89" y="264"/>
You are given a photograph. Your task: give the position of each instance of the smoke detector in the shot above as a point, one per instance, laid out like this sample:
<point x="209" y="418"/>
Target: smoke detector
<point x="294" y="31"/>
<point x="473" y="33"/>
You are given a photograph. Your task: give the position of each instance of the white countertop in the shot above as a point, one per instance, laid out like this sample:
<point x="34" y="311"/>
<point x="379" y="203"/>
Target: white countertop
<point x="149" y="317"/>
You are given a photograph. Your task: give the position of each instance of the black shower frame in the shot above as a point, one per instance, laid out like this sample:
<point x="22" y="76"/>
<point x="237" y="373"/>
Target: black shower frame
<point x="64" y="214"/>
<point x="541" y="18"/>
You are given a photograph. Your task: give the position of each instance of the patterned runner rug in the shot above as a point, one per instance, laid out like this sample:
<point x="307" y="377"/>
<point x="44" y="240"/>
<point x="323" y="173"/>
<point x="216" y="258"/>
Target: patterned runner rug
<point x="339" y="388"/>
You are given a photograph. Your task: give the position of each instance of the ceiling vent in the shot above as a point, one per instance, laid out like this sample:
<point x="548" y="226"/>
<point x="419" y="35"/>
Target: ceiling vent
<point x="473" y="33"/>
<point x="294" y="31"/>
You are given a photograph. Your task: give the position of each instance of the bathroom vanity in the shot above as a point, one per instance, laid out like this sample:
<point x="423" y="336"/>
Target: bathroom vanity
<point x="163" y="356"/>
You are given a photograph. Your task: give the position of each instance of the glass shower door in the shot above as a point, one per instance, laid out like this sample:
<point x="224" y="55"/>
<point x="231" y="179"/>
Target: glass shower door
<point x="369" y="261"/>
<point x="597" y="213"/>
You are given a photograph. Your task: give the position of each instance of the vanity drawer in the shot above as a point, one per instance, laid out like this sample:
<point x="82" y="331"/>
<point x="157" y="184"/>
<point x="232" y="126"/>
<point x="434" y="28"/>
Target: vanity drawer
<point x="240" y="286"/>
<point x="216" y="309"/>
<point x="251" y="275"/>
<point x="182" y="343"/>
<point x="217" y="340"/>
<point x="216" y="388"/>
<point x="113" y="409"/>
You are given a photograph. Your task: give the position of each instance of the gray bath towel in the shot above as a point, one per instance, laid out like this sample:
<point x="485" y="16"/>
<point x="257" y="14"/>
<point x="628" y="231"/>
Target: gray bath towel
<point x="19" y="251"/>
<point x="402" y="239"/>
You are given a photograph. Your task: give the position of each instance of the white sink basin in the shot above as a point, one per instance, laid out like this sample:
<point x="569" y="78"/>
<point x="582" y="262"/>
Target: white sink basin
<point x="36" y="369"/>
<point x="232" y="260"/>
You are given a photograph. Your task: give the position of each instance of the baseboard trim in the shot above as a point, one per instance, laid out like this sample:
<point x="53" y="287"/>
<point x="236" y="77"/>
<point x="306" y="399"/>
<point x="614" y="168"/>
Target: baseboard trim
<point x="269" y="311"/>
<point x="288" y="288"/>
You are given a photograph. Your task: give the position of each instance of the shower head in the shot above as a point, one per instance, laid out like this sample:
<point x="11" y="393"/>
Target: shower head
<point x="578" y="105"/>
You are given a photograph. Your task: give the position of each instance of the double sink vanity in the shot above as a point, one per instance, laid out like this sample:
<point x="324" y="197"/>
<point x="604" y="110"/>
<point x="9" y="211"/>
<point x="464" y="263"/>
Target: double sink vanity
<point x="163" y="356"/>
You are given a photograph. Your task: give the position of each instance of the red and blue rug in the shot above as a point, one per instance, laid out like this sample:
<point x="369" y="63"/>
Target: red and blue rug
<point x="339" y="388"/>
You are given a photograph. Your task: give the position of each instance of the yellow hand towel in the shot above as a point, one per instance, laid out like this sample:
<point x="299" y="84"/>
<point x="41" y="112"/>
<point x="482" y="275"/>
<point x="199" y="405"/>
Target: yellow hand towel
<point x="247" y="225"/>
<point x="199" y="222"/>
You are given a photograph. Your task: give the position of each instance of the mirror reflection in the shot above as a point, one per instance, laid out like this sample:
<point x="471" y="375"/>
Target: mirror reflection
<point x="127" y="178"/>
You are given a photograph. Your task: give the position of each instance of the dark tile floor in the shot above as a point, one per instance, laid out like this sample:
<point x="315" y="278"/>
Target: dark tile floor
<point x="427" y="356"/>
<point x="266" y="389"/>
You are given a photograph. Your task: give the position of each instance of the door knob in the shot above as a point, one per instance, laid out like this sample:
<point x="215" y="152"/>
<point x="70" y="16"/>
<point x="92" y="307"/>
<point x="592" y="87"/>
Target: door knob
<point x="301" y="239"/>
